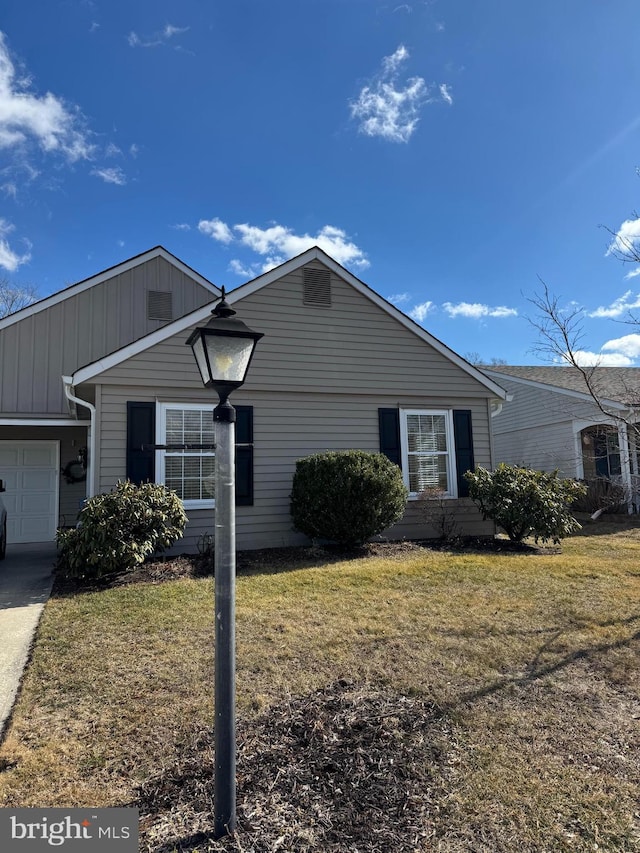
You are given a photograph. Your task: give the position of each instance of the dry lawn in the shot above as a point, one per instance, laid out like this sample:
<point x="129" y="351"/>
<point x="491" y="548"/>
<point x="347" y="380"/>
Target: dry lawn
<point x="408" y="700"/>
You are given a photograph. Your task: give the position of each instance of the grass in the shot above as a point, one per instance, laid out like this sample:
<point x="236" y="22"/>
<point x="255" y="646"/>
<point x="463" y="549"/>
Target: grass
<point x="523" y="670"/>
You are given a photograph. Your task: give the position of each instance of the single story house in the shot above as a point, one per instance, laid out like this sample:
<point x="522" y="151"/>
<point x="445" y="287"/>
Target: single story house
<point x="554" y="422"/>
<point x="91" y="374"/>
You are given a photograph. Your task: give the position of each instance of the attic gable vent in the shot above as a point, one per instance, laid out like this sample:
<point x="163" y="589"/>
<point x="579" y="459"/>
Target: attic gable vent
<point x="317" y="287"/>
<point x="159" y="305"/>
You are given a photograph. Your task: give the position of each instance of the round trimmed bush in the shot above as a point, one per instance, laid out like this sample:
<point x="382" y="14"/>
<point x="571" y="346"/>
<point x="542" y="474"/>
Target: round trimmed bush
<point x="119" y="530"/>
<point x="346" y="496"/>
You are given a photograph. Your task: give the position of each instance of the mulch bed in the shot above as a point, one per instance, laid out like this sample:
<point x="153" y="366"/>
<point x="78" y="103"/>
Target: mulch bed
<point x="354" y="768"/>
<point x="164" y="569"/>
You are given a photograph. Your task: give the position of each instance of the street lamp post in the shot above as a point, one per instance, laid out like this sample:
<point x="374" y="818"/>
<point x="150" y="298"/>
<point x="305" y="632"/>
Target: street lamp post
<point x="223" y="350"/>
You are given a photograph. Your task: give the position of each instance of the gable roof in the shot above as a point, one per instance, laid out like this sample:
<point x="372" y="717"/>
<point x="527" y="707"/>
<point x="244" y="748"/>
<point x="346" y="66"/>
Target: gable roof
<point x="617" y="386"/>
<point x="315" y="253"/>
<point x="99" y="278"/>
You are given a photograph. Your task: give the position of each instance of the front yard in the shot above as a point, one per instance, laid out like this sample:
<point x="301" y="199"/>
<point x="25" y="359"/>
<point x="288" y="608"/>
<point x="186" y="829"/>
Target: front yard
<point x="410" y="700"/>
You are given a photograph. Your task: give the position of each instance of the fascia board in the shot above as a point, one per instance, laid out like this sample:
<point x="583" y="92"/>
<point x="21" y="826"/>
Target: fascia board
<point x="48" y="422"/>
<point x="105" y="275"/>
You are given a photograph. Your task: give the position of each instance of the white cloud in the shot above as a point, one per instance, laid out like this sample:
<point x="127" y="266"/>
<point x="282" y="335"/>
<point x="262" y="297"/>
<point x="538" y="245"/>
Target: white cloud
<point x="9" y="258"/>
<point x="170" y="31"/>
<point x="113" y="175"/>
<point x="181" y="226"/>
<point x="476" y="310"/>
<point x="48" y="121"/>
<point x="112" y="150"/>
<point x="445" y="91"/>
<point x="240" y="269"/>
<point x="134" y="149"/>
<point x="216" y="229"/>
<point x="627" y="239"/>
<point x="277" y="242"/>
<point x="419" y="312"/>
<point x="633" y="273"/>
<point x="585" y="358"/>
<point x="398" y="298"/>
<point x="619" y="306"/>
<point x="628" y="345"/>
<point x="156" y="39"/>
<point x="388" y="108"/>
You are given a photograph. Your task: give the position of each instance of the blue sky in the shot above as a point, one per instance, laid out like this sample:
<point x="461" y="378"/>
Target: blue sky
<point x="451" y="154"/>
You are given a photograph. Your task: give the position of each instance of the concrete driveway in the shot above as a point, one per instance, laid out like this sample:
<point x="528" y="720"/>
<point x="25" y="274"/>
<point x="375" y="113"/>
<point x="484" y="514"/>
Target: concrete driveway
<point x="25" y="585"/>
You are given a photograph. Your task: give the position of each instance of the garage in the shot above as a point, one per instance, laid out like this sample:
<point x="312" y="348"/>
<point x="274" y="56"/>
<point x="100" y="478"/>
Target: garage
<point x="30" y="472"/>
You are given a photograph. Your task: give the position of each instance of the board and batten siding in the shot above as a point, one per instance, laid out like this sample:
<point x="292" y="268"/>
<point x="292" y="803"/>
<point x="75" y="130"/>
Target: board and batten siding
<point x="37" y="351"/>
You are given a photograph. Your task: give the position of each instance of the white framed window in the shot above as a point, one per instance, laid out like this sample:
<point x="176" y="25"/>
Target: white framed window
<point x="428" y="451"/>
<point x="189" y="472"/>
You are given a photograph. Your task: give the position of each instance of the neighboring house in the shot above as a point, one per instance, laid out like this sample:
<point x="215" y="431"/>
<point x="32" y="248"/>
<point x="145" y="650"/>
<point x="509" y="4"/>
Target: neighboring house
<point x="553" y="422"/>
<point x="101" y="369"/>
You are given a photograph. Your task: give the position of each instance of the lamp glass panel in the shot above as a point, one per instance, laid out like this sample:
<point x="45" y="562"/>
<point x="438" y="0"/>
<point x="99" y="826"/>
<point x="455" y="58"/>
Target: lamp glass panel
<point x="229" y="357"/>
<point x="198" y="351"/>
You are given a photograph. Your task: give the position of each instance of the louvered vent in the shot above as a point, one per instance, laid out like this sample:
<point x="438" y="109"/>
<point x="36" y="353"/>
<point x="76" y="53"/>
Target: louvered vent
<point x="159" y="305"/>
<point x="317" y="287"/>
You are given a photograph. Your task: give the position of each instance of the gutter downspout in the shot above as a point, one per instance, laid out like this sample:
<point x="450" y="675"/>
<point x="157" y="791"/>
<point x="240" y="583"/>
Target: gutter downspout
<point x="67" y="383"/>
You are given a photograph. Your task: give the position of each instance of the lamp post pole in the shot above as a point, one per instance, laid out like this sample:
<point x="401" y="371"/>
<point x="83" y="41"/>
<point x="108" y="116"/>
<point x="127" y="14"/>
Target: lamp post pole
<point x="223" y="350"/>
<point x="224" y="797"/>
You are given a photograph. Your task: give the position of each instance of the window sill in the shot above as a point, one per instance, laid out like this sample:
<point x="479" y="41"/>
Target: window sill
<point x="415" y="496"/>
<point x="199" y="504"/>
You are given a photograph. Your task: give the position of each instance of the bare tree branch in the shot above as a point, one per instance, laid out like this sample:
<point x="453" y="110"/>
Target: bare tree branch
<point x="14" y="297"/>
<point x="561" y="337"/>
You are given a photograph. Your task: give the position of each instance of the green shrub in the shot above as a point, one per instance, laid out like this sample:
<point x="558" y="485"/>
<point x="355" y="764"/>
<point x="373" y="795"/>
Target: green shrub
<point x="524" y="502"/>
<point x="118" y="530"/>
<point x="346" y="496"/>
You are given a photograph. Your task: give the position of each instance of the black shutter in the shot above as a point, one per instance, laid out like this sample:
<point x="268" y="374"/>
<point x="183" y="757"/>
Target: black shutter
<point x="244" y="455"/>
<point x="389" y="426"/>
<point x="463" y="436"/>
<point x="141" y="429"/>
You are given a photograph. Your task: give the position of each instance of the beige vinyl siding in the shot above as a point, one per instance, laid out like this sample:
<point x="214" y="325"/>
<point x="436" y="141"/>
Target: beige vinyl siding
<point x="71" y="439"/>
<point x="37" y="350"/>
<point x="352" y="346"/>
<point x="287" y="426"/>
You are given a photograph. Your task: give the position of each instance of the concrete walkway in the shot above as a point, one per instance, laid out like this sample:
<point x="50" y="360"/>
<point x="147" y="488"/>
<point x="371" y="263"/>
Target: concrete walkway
<point x="25" y="585"/>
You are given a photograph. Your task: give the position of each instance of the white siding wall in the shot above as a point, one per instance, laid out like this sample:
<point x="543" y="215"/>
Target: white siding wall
<point x="533" y="407"/>
<point x="536" y="428"/>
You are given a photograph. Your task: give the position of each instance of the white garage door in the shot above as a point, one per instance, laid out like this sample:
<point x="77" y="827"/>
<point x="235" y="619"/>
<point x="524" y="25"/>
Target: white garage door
<point x="30" y="472"/>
